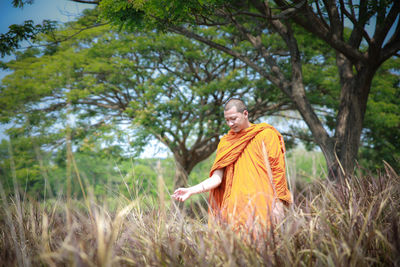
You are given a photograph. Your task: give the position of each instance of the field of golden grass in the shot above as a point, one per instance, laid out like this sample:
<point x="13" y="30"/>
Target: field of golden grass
<point x="354" y="222"/>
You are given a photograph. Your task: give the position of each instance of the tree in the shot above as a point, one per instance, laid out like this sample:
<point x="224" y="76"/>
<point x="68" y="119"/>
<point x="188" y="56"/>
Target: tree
<point x="359" y="52"/>
<point x="160" y="85"/>
<point x="24" y="165"/>
<point x="381" y="138"/>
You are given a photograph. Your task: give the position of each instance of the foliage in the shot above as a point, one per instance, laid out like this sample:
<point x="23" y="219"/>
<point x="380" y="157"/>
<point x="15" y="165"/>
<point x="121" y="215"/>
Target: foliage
<point x="88" y="79"/>
<point x="27" y="31"/>
<point x="21" y="3"/>
<point x="104" y="172"/>
<point x="25" y="168"/>
<point x="142" y="175"/>
<point x="381" y="139"/>
<point x="358" y="53"/>
<point x="304" y="166"/>
<point x="247" y="22"/>
<point x="110" y="86"/>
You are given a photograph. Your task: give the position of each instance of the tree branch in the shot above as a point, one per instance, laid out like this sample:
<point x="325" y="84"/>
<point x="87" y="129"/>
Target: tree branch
<point x="95" y="2"/>
<point x="261" y="109"/>
<point x="358" y="31"/>
<point x="382" y="30"/>
<point x="306" y="18"/>
<point x="321" y="16"/>
<point x="336" y="25"/>
<point x="245" y="59"/>
<point x="390" y="49"/>
<point x="300" y="137"/>
<point x="65" y="38"/>
<point x="257" y="44"/>
<point x="98" y="104"/>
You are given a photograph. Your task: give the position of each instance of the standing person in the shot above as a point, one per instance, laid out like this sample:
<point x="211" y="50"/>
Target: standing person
<point x="247" y="180"/>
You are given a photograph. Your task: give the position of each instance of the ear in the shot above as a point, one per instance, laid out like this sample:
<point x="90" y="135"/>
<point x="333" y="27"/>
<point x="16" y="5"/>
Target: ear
<point x="245" y="113"/>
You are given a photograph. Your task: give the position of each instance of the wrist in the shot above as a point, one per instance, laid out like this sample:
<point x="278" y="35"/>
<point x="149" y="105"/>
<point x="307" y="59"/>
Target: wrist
<point x="202" y="189"/>
<point x="199" y="189"/>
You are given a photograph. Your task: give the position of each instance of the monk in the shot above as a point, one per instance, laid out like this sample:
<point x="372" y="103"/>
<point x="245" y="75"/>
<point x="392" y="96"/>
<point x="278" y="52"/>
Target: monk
<point x="247" y="181"/>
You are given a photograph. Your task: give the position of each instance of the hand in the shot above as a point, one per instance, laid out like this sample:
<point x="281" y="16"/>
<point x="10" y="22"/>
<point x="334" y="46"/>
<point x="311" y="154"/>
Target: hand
<point x="181" y="194"/>
<point x="278" y="212"/>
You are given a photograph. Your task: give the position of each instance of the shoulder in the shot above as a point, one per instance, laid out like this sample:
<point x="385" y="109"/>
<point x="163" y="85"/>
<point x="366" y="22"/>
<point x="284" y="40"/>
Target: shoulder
<point x="272" y="138"/>
<point x="268" y="131"/>
<point x="266" y="136"/>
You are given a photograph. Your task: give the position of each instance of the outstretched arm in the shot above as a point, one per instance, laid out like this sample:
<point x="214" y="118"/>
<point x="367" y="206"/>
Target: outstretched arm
<point x="181" y="194"/>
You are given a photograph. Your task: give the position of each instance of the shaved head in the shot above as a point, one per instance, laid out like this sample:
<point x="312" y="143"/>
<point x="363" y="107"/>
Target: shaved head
<point x="235" y="102"/>
<point x="236" y="115"/>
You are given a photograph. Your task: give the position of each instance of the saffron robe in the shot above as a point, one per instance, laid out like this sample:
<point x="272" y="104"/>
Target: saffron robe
<point x="247" y="193"/>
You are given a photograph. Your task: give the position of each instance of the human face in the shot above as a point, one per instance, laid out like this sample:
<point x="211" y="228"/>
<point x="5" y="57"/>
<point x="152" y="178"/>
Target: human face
<point x="236" y="121"/>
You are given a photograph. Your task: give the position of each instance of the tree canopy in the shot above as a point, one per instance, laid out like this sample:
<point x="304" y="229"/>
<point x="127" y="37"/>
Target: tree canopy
<point x="142" y="76"/>
<point x="150" y="84"/>
<point x="341" y="25"/>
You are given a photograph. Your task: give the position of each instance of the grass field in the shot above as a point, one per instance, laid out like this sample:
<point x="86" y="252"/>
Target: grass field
<point x="348" y="223"/>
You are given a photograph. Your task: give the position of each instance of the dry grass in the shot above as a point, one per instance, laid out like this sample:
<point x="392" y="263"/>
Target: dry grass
<point x="353" y="223"/>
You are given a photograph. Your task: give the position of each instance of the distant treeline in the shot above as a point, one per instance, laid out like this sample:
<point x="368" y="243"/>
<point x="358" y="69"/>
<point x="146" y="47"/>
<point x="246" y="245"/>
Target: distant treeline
<point x="105" y="173"/>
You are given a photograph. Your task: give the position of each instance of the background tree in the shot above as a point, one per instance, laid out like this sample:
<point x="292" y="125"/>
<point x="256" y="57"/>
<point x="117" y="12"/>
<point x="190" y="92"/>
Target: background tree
<point x="158" y="85"/>
<point x="359" y="53"/>
<point x="105" y="174"/>
<point x="19" y="165"/>
<point x="318" y="77"/>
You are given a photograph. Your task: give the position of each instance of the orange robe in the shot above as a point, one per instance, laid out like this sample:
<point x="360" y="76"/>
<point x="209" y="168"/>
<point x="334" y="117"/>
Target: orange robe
<point x="246" y="194"/>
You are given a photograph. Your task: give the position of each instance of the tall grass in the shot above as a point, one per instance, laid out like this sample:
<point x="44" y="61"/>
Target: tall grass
<point x="349" y="223"/>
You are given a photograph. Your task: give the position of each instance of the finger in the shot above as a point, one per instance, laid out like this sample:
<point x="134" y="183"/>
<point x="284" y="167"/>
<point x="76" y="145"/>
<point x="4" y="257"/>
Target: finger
<point x="177" y="190"/>
<point x="178" y="197"/>
<point x="177" y="193"/>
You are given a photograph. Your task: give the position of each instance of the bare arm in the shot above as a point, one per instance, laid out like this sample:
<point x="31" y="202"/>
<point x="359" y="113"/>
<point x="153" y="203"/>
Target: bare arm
<point x="181" y="194"/>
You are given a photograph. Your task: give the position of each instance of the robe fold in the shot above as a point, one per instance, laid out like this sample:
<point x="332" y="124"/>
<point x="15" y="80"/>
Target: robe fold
<point x="247" y="193"/>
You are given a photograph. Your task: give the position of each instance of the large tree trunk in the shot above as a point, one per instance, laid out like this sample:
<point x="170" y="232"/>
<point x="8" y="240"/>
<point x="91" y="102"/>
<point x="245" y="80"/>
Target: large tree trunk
<point x="297" y="93"/>
<point x="321" y="137"/>
<point x="350" y="118"/>
<point x="187" y="159"/>
<point x="341" y="150"/>
<point x="181" y="175"/>
<point x="183" y="167"/>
